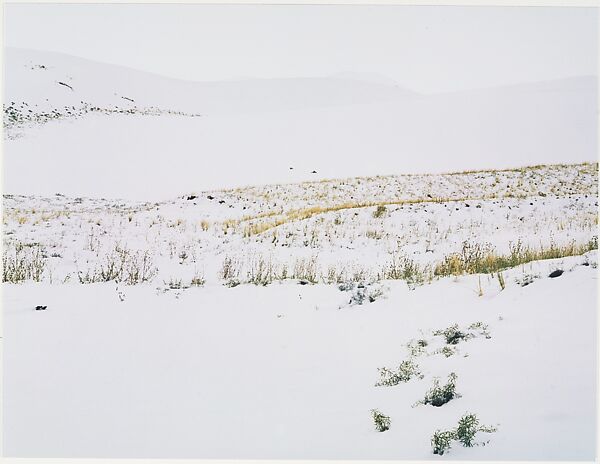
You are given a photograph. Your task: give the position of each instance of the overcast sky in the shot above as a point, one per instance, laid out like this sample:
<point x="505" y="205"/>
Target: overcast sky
<point x="427" y="49"/>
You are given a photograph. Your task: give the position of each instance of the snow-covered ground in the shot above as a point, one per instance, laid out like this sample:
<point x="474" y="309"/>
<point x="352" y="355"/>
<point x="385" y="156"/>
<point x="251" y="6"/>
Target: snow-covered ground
<point x="289" y="371"/>
<point x="219" y="283"/>
<point x="251" y="132"/>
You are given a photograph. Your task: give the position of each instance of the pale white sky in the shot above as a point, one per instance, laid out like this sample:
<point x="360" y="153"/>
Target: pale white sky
<point x="427" y="49"/>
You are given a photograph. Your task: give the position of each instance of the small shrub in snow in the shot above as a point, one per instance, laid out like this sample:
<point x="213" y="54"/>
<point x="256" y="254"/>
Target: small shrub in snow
<point x="404" y="268"/>
<point x="526" y="279"/>
<point x="417" y="347"/>
<point x="364" y="294"/>
<point x="261" y="271"/>
<point x="175" y="284"/>
<point x="230" y="269"/>
<point x="446" y="351"/>
<point x="406" y="371"/>
<point x="468" y="426"/>
<point x="481" y="328"/>
<point x="346" y="286"/>
<point x="477" y="258"/>
<point x="452" y="334"/>
<point x="439" y="396"/>
<point x="306" y="269"/>
<point x="380" y="211"/>
<point x="122" y="265"/>
<point x="23" y="262"/>
<point x="335" y="275"/>
<point x="441" y="441"/>
<point x="382" y="422"/>
<point x="198" y="280"/>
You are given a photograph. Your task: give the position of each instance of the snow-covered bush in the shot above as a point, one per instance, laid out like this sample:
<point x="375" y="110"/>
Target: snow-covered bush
<point x="446" y="350"/>
<point x="481" y="328"/>
<point x="452" y="334"/>
<point x="439" y="396"/>
<point x="417" y="347"/>
<point x="526" y="279"/>
<point x="365" y="293"/>
<point x="468" y="426"/>
<point x="382" y="422"/>
<point x="406" y="371"/>
<point x="441" y="441"/>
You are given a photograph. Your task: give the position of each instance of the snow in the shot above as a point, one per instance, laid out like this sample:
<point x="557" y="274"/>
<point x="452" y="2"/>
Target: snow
<point x="251" y="132"/>
<point x="281" y="372"/>
<point x="190" y="363"/>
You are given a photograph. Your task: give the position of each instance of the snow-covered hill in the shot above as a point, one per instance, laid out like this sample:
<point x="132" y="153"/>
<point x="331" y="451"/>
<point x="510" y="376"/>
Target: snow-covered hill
<point x="265" y="131"/>
<point x="199" y="317"/>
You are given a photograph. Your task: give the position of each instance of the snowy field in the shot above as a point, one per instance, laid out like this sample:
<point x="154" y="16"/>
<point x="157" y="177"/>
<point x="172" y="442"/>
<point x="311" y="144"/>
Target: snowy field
<point x="265" y="307"/>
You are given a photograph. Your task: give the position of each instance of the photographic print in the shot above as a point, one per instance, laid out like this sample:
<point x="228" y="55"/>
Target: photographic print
<point x="299" y="232"/>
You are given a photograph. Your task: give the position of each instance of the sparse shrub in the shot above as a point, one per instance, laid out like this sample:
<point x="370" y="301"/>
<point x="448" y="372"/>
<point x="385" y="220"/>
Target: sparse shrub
<point x="306" y="269"/>
<point x="465" y="432"/>
<point x="122" y="265"/>
<point x="336" y="276"/>
<point x="139" y="268"/>
<point x="468" y="426"/>
<point x="439" y="396"/>
<point x="23" y="262"/>
<point x="417" y="347"/>
<point x="526" y="279"/>
<point x="346" y="286"/>
<point x="260" y="271"/>
<point x="481" y="258"/>
<point x="204" y="225"/>
<point x="406" y="371"/>
<point x="175" y="284"/>
<point x="482" y="328"/>
<point x="382" y="422"/>
<point x="364" y="293"/>
<point x="446" y="350"/>
<point x="441" y="441"/>
<point x="230" y="271"/>
<point x="380" y="211"/>
<point x="452" y="334"/>
<point x="404" y="268"/>
<point x="198" y="280"/>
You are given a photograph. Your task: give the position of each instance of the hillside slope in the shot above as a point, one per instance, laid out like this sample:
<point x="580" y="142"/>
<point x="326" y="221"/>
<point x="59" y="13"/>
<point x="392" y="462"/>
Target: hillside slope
<point x="183" y="136"/>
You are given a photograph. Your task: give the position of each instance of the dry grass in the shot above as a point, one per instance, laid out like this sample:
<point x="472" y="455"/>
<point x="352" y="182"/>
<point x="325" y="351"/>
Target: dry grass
<point x="482" y="259"/>
<point x="23" y="262"/>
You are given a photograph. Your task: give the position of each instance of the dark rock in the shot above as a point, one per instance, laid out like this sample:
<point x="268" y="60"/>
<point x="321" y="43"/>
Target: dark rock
<point x="303" y="282"/>
<point x="556" y="273"/>
<point x="210" y="197"/>
<point x="40" y="308"/>
<point x="192" y="197"/>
